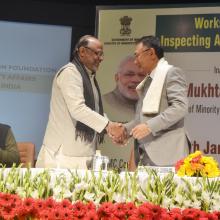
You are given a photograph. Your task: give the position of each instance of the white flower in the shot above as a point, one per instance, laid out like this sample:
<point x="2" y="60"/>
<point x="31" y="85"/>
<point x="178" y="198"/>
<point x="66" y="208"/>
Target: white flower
<point x="99" y="197"/>
<point x="57" y="190"/>
<point x="141" y="197"/>
<point x="216" y="197"/>
<point x="179" y="198"/>
<point x="196" y="188"/>
<point x="21" y="192"/>
<point x="167" y="202"/>
<point x="184" y="186"/>
<point x="81" y="186"/>
<point x="67" y="194"/>
<point x="215" y="206"/>
<point x="215" y="202"/>
<point x="205" y="197"/>
<point x="193" y="197"/>
<point x="119" y="197"/>
<point x="153" y="196"/>
<point x="196" y="204"/>
<point x="187" y="203"/>
<point x="89" y="196"/>
<point x="35" y="194"/>
<point x="10" y="186"/>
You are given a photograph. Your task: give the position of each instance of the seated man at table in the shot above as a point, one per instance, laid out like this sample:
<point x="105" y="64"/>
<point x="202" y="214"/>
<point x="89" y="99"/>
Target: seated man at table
<point x="8" y="148"/>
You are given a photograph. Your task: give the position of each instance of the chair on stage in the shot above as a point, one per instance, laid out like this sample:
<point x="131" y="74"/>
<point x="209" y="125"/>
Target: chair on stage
<point x="27" y="153"/>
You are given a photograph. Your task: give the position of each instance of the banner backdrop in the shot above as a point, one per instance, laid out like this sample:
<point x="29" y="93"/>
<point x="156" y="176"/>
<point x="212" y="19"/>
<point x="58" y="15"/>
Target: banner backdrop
<point x="191" y="39"/>
<point x="30" y="55"/>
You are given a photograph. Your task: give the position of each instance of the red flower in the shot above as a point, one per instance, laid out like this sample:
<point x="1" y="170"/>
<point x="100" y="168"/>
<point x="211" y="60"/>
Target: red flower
<point x="190" y="213"/>
<point x="119" y="210"/>
<point x="49" y="203"/>
<point x="175" y="210"/>
<point x="8" y="213"/>
<point x="45" y="214"/>
<point x="9" y="205"/>
<point x="156" y="211"/>
<point x="65" y="204"/>
<point x="6" y="200"/>
<point x="106" y="210"/>
<point x="211" y="216"/>
<point x="79" y="209"/>
<point x="142" y="213"/>
<point x="200" y="214"/>
<point x="67" y="214"/>
<point x="21" y="211"/>
<point x="57" y="214"/>
<point x="196" y="159"/>
<point x="132" y="217"/>
<point x="61" y="214"/>
<point x="90" y="206"/>
<point x="28" y="204"/>
<point x="166" y="216"/>
<point x="178" y="164"/>
<point x="176" y="216"/>
<point x="146" y="205"/>
<point x="130" y="208"/>
<point x="91" y="215"/>
<point x="217" y="213"/>
<point x="16" y="200"/>
<point x="12" y="207"/>
<point x="39" y="205"/>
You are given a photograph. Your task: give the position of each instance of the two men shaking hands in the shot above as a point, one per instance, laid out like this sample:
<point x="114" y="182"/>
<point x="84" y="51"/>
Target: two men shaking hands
<point x="119" y="133"/>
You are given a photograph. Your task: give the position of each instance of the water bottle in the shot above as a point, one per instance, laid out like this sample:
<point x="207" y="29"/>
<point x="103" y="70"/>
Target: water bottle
<point x="99" y="162"/>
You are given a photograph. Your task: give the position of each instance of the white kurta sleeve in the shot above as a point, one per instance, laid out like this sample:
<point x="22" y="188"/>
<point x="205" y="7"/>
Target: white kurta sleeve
<point x="71" y="86"/>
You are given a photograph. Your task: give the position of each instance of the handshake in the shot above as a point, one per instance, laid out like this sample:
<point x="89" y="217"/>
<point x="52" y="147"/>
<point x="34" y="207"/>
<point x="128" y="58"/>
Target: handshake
<point x="119" y="135"/>
<point x="117" y="132"/>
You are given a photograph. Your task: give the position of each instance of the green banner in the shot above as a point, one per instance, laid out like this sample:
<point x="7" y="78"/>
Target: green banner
<point x="189" y="33"/>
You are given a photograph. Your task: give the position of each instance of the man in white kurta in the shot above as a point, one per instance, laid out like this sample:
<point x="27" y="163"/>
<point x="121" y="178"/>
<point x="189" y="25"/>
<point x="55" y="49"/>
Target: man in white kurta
<point x="76" y="116"/>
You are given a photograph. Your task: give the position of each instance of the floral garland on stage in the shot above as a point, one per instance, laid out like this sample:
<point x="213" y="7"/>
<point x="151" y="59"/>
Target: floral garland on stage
<point x="13" y="207"/>
<point x="27" y="194"/>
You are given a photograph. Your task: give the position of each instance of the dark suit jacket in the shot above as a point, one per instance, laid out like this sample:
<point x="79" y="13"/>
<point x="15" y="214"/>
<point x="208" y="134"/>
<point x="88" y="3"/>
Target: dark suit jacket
<point x="8" y="147"/>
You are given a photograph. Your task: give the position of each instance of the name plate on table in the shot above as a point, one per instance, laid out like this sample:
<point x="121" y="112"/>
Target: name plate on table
<point x="156" y="168"/>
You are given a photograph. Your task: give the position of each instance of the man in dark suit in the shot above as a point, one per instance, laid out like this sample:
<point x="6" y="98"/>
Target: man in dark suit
<point x="8" y="147"/>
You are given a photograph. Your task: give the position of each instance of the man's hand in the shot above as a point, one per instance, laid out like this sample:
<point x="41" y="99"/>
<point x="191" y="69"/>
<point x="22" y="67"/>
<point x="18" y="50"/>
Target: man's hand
<point x="117" y="132"/>
<point x="140" y="131"/>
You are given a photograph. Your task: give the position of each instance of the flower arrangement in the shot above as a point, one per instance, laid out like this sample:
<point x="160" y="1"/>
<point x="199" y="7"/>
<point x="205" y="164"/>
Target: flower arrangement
<point x="197" y="165"/>
<point x="52" y="187"/>
<point x="13" y="207"/>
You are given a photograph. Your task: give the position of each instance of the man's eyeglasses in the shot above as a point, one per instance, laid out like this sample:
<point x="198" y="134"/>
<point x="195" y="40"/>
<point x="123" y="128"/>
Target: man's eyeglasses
<point x="137" y="55"/>
<point x="97" y="53"/>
